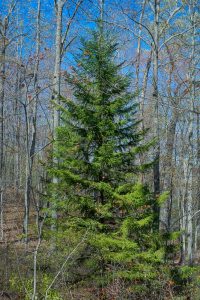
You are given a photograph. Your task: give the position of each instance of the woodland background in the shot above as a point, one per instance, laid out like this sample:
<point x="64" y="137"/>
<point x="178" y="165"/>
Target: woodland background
<point x="160" y="45"/>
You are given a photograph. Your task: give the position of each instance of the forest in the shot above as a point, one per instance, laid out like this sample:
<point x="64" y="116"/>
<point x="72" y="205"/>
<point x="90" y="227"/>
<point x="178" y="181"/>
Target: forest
<point x="100" y="149"/>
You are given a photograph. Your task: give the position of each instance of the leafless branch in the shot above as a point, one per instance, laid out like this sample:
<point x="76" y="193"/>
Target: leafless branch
<point x="69" y="23"/>
<point x="64" y="263"/>
<point x="141" y="24"/>
<point x="170" y="17"/>
<point x="175" y="35"/>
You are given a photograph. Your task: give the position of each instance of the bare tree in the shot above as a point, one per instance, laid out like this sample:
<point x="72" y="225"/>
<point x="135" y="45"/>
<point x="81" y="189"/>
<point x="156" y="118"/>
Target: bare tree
<point x="61" y="45"/>
<point x="4" y="43"/>
<point x="31" y="125"/>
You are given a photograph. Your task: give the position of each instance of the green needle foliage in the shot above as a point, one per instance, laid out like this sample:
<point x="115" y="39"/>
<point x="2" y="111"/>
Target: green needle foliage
<point x="98" y="187"/>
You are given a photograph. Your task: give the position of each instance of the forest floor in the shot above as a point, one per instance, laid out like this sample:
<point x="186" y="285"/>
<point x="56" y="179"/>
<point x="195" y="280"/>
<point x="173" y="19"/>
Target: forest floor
<point x="15" y="253"/>
<point x="12" y="246"/>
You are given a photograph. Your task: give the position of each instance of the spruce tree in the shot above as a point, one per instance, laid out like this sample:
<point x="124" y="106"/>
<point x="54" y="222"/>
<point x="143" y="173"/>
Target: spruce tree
<point x="98" y="190"/>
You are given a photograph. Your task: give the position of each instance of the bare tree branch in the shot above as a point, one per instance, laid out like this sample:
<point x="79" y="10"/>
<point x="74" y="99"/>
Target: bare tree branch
<point x="141" y="24"/>
<point x="170" y="17"/>
<point x="175" y="35"/>
<point x="69" y="24"/>
<point x="64" y="263"/>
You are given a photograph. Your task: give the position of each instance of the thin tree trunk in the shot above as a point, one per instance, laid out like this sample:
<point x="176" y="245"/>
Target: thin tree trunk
<point x="156" y="168"/>
<point x="56" y="87"/>
<point x="27" y="179"/>
<point x="31" y="131"/>
<point x="60" y="48"/>
<point x="139" y="46"/>
<point x="144" y="86"/>
<point x="142" y="103"/>
<point x="192" y="190"/>
<point x="2" y="96"/>
<point x="197" y="186"/>
<point x="166" y="209"/>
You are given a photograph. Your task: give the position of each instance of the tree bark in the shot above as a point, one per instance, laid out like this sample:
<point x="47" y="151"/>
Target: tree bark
<point x="59" y="4"/>
<point x="2" y="99"/>
<point x="31" y="122"/>
<point x="191" y="193"/>
<point x="155" y="96"/>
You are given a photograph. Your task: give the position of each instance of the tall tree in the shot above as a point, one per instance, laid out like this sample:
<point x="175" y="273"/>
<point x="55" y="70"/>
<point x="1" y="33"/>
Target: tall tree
<point x="97" y="189"/>
<point x="61" y="45"/>
<point x="4" y="43"/>
<point x="31" y="125"/>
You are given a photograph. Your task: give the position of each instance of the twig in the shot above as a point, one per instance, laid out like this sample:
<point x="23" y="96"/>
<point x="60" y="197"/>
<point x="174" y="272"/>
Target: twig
<point x="64" y="263"/>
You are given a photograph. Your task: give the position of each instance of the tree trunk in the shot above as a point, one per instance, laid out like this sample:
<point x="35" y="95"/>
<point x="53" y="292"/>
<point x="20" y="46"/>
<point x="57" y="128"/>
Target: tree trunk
<point x="31" y="120"/>
<point x="192" y="189"/>
<point x="156" y="168"/>
<point x="2" y="96"/>
<point x="166" y="208"/>
<point x="56" y="86"/>
<point x="139" y="46"/>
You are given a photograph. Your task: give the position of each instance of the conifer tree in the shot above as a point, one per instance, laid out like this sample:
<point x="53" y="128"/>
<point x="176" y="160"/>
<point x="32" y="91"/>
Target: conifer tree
<point x="98" y="188"/>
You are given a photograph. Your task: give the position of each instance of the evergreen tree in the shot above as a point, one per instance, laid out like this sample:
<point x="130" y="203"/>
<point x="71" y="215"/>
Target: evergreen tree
<point x="98" y="190"/>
